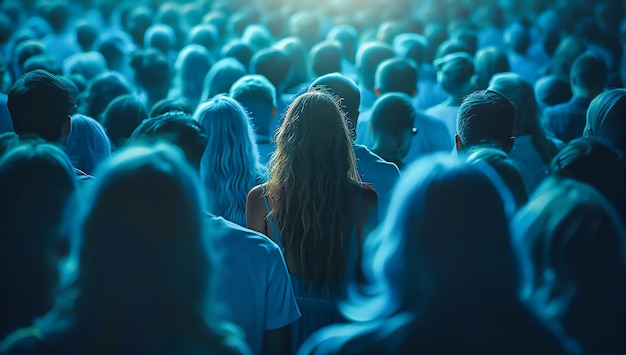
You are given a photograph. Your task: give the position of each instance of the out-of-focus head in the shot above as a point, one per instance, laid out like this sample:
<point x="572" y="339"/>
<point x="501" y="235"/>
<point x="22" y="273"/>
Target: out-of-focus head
<point x="39" y="103"/>
<point x="488" y="62"/>
<point x="100" y="91"/>
<point x="252" y="88"/>
<point x="443" y="212"/>
<point x="396" y="75"/>
<point x="177" y="128"/>
<point x="143" y="228"/>
<point x="239" y="50"/>
<point x="552" y="90"/>
<point x="596" y="163"/>
<point x="221" y="77"/>
<point x="152" y="70"/>
<point x="257" y="36"/>
<point x="606" y="118"/>
<point x="588" y="74"/>
<point x="121" y="117"/>
<point x="485" y="118"/>
<point x="392" y="122"/>
<point x="411" y="46"/>
<point x="521" y="94"/>
<point x="454" y="71"/>
<point x="272" y="63"/>
<point x="160" y="37"/>
<point x="170" y="104"/>
<point x="325" y="58"/>
<point x="571" y="248"/>
<point x="205" y="35"/>
<point x="37" y="181"/>
<point x="88" y="144"/>
<point x="368" y="57"/>
<point x="348" y="37"/>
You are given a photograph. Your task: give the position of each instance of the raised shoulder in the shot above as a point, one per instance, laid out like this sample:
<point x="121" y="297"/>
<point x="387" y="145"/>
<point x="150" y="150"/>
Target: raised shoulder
<point x="256" y="211"/>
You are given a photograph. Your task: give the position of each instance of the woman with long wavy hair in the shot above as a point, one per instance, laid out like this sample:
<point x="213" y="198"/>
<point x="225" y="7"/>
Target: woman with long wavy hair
<point x="230" y="166"/>
<point x="315" y="207"/>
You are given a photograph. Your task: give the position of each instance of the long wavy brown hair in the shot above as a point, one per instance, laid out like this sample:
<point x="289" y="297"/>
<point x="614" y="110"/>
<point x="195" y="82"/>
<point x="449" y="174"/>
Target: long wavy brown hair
<point x="311" y="185"/>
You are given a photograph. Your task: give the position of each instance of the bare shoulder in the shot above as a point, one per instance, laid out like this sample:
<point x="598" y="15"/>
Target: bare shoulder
<point x="256" y="192"/>
<point x="369" y="194"/>
<point x="255" y="210"/>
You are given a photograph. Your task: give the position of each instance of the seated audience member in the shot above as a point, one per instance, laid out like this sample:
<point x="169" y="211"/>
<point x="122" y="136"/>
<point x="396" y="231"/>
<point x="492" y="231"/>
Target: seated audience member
<point x="273" y="64"/>
<point x="87" y="64"/>
<point x="571" y="245"/>
<point x="258" y="96"/>
<point x="506" y="168"/>
<point x="257" y="36"/>
<point x="392" y="127"/>
<point x="533" y="149"/>
<point x="60" y="42"/>
<point x="170" y="104"/>
<point x="121" y="117"/>
<point x="298" y="77"/>
<point x="161" y="37"/>
<point x="36" y="183"/>
<point x="325" y="58"/>
<point x="368" y="57"/>
<point x="40" y="104"/>
<point x="348" y="37"/>
<point x="261" y="301"/>
<point x="321" y="235"/>
<point x="568" y="49"/>
<point x="238" y="50"/>
<point x="454" y="74"/>
<point x="518" y="40"/>
<point x="596" y="163"/>
<point x="373" y="170"/>
<point x="400" y="75"/>
<point x="191" y="66"/>
<point x="152" y="75"/>
<point x="488" y="62"/>
<point x="415" y="47"/>
<point x="99" y="93"/>
<point x="146" y="275"/>
<point x="205" y="35"/>
<point x="117" y="50"/>
<point x="425" y="292"/>
<point x="230" y="165"/>
<point x="551" y="90"/>
<point x="587" y="79"/>
<point x="221" y="77"/>
<point x="486" y="118"/>
<point x="605" y="119"/>
<point x="88" y="144"/>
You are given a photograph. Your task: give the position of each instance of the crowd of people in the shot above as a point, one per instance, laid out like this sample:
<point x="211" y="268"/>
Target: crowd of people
<point x="313" y="177"/>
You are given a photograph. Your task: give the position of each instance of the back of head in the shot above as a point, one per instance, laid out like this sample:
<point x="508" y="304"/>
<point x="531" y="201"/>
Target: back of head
<point x="88" y="144"/>
<point x="347" y="90"/>
<point x="393" y="114"/>
<point x="221" y="77"/>
<point x="297" y="52"/>
<point x="522" y="95"/>
<point x="347" y="36"/>
<point x="39" y="103"/>
<point x="177" y="128"/>
<point x="42" y="61"/>
<point x="239" y="50"/>
<point x="86" y="34"/>
<point x="552" y="90"/>
<point x="605" y="118"/>
<point x="36" y="183"/>
<point x="518" y="38"/>
<point x="444" y="212"/>
<point x="313" y="130"/>
<point x="100" y="91"/>
<point x="257" y="36"/>
<point x="396" y="75"/>
<point x="152" y="70"/>
<point x="567" y="51"/>
<point x="205" y="35"/>
<point x="230" y="165"/>
<point x="160" y="37"/>
<point x="368" y="57"/>
<point x="145" y="209"/>
<point x="325" y="58"/>
<point x="27" y="49"/>
<point x="121" y="117"/>
<point x="411" y="46"/>
<point x="488" y="62"/>
<point x="571" y="246"/>
<point x="455" y="71"/>
<point x="273" y="64"/>
<point x="253" y="87"/>
<point x="486" y="118"/>
<point x="592" y="161"/>
<point x="56" y="13"/>
<point x="589" y="73"/>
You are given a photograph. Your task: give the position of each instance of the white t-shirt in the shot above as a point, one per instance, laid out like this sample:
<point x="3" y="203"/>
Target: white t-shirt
<point x="252" y="286"/>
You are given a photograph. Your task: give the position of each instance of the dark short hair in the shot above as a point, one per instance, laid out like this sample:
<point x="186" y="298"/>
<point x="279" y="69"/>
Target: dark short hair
<point x="39" y="103"/>
<point x="485" y="118"/>
<point x="179" y="129"/>
<point x="397" y="75"/>
<point x="274" y="64"/>
<point x="393" y="113"/>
